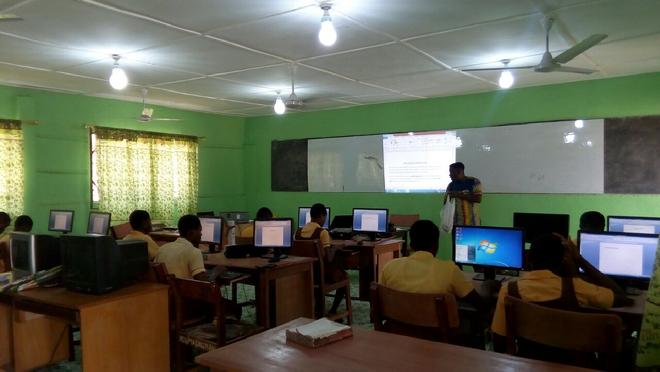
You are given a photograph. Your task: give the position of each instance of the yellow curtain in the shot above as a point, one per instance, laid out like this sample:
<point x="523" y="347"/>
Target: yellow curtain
<point x="143" y="170"/>
<point x="11" y="167"/>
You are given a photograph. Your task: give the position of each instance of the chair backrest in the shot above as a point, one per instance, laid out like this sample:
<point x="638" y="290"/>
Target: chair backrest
<point x="189" y="293"/>
<point x="429" y="316"/>
<point x="243" y="240"/>
<point x="569" y="330"/>
<point x="160" y="272"/>
<point x="310" y="248"/>
<point x="405" y="220"/>
<point x="120" y="231"/>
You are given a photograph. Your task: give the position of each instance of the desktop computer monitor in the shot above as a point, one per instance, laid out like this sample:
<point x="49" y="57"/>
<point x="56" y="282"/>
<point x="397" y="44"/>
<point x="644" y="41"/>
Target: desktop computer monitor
<point x="489" y="248"/>
<point x="638" y="225"/>
<point x="367" y="220"/>
<point x="275" y="233"/>
<point x="235" y="216"/>
<point x="618" y="254"/>
<point x="535" y="224"/>
<point x="60" y="221"/>
<point x="30" y="253"/>
<point x="304" y="217"/>
<point x="211" y="230"/>
<point x="98" y="223"/>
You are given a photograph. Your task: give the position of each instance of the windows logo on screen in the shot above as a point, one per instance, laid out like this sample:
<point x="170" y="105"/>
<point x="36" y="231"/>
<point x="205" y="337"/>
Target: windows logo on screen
<point x="488" y="247"/>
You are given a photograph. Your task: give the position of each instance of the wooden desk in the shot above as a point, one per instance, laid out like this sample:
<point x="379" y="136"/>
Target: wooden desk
<point x="164" y="236"/>
<point x="283" y="292"/>
<point x="367" y="350"/>
<point x="125" y="330"/>
<point x="373" y="257"/>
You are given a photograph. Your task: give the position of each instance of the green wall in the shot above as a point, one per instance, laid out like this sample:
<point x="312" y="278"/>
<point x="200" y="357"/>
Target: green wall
<point x="626" y="96"/>
<point x="57" y="150"/>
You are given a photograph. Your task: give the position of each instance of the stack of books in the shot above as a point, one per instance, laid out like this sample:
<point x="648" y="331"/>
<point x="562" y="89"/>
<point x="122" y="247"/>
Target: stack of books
<point x="318" y="333"/>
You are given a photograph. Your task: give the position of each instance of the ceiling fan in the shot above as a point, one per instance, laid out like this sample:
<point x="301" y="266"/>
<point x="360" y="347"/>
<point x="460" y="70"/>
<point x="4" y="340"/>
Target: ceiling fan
<point x="147" y="113"/>
<point x="5" y="17"/>
<point x="293" y="102"/>
<point x="555" y="64"/>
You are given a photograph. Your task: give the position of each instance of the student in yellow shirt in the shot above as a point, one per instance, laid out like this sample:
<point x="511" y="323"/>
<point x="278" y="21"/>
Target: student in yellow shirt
<point x="22" y="223"/>
<point x="263" y="214"/>
<point x="141" y="224"/>
<point x="5" y="221"/>
<point x="554" y="263"/>
<point x="333" y="270"/>
<point x="182" y="257"/>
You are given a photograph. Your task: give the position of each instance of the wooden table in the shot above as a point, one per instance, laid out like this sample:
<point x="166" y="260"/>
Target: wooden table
<point x="373" y="257"/>
<point x="125" y="330"/>
<point x="283" y="292"/>
<point x="164" y="236"/>
<point x="367" y="350"/>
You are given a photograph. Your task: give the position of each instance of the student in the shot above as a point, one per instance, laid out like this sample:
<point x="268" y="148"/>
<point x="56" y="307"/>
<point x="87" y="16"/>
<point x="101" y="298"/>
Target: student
<point x="141" y="224"/>
<point x="313" y="230"/>
<point x="5" y="221"/>
<point x="182" y="257"/>
<point x="263" y="214"/>
<point x="551" y="255"/>
<point x="592" y="221"/>
<point x="421" y="272"/>
<point x="468" y="192"/>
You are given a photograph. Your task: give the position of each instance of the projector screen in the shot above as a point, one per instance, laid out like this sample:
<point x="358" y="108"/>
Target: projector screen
<point x="418" y="162"/>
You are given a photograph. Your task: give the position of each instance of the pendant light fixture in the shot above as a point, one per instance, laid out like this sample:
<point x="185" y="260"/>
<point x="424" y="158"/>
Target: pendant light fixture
<point x="327" y="33"/>
<point x="118" y="79"/>
<point x="279" y="106"/>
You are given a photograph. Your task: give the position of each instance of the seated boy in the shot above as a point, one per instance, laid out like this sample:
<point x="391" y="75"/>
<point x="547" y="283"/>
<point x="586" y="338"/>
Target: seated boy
<point x="551" y="259"/>
<point x="333" y="270"/>
<point x="592" y="221"/>
<point x="141" y="224"/>
<point x="263" y="214"/>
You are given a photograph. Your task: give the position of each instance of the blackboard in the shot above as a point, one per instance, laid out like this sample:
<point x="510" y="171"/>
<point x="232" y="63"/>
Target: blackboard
<point x="632" y="158"/>
<point x="288" y="164"/>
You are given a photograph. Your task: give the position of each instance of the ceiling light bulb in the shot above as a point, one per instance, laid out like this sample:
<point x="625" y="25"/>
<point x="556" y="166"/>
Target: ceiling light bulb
<point x="279" y="106"/>
<point x="327" y="33"/>
<point x="579" y="124"/>
<point x="506" y="79"/>
<point x="118" y="79"/>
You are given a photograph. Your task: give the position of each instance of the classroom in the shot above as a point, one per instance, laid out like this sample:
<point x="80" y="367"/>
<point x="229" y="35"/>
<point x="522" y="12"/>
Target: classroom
<point x="217" y="68"/>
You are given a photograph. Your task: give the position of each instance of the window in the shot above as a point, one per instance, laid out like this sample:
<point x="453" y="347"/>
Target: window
<point x="143" y="170"/>
<point x="11" y="167"/>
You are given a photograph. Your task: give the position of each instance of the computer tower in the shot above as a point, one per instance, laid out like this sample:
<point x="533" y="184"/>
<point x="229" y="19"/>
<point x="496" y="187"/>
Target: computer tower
<point x="134" y="260"/>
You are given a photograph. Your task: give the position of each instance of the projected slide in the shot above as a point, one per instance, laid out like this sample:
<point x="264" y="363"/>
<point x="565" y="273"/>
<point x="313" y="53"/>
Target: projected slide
<point x="418" y="162"/>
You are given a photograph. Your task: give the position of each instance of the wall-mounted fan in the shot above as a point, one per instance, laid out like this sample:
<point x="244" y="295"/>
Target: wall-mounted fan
<point x="555" y="64"/>
<point x="147" y="112"/>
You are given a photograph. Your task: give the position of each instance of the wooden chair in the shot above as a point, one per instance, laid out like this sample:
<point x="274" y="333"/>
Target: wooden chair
<point x="120" y="231"/>
<point x="403" y="220"/>
<point x="428" y="316"/>
<point x="573" y="336"/>
<point x="209" y="333"/>
<point x="242" y="240"/>
<point x="312" y="248"/>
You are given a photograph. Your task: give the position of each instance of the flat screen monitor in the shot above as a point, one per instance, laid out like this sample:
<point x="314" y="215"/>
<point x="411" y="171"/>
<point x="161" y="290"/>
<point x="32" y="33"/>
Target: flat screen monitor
<point x="489" y="247"/>
<point x="98" y="223"/>
<point x="211" y="230"/>
<point x="370" y="220"/>
<point x="273" y="233"/>
<point x="619" y="254"/>
<point x="535" y="224"/>
<point x="637" y="225"/>
<point x="60" y="220"/>
<point x="205" y="214"/>
<point x="235" y="216"/>
<point x="30" y="253"/>
<point x="304" y="217"/>
<point x="342" y="222"/>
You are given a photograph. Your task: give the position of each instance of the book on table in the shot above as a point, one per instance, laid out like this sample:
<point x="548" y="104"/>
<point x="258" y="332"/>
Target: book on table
<point x="318" y="333"/>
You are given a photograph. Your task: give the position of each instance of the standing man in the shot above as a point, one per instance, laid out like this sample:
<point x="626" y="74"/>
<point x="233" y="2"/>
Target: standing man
<point x="467" y="192"/>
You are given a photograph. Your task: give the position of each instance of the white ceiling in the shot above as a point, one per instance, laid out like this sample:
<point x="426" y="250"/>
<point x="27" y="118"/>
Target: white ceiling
<point x="231" y="56"/>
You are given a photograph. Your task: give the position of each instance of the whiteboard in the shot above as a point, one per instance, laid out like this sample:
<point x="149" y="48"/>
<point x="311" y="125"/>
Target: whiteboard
<point x="554" y="157"/>
<point x="345" y="164"/>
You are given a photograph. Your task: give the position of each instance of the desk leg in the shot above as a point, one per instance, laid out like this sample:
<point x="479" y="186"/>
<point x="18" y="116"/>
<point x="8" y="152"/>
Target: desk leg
<point x="367" y="271"/>
<point x="6" y="338"/>
<point x="38" y="340"/>
<point x="262" y="299"/>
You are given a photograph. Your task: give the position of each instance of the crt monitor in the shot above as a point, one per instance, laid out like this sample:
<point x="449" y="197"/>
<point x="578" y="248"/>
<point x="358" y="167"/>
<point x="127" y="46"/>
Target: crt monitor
<point x="628" y="224"/>
<point x="619" y="254"/>
<point x="536" y="224"/>
<point x="60" y="221"/>
<point x="304" y="217"/>
<point x="211" y="230"/>
<point x="98" y="223"/>
<point x="370" y="220"/>
<point x="489" y="248"/>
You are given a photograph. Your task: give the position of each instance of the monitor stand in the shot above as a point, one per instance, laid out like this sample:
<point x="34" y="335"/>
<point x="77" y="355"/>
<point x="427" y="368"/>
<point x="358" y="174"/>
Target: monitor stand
<point x="212" y="247"/>
<point x="372" y="236"/>
<point x="276" y="256"/>
<point x="488" y="274"/>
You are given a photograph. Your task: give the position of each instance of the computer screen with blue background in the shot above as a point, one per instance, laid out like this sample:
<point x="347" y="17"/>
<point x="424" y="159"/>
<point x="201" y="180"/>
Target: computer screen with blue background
<point x="273" y="233"/>
<point x="370" y="220"/>
<point x="60" y="220"/>
<point x="638" y="225"/>
<point x="304" y="217"/>
<point x="620" y="254"/>
<point x="488" y="246"/>
<point x="211" y="230"/>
